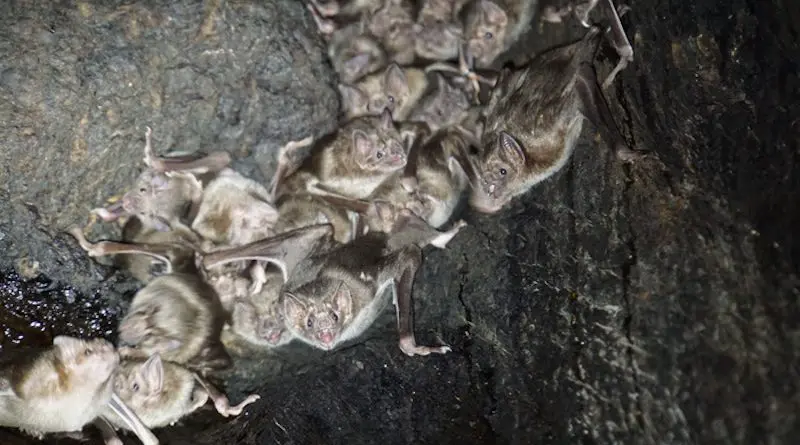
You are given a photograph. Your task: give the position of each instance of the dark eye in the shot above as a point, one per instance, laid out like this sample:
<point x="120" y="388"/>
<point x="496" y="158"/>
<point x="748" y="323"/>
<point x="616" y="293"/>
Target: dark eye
<point x="142" y="189"/>
<point x="334" y="316"/>
<point x="503" y="171"/>
<point x="309" y="322"/>
<point x="135" y="387"/>
<point x="379" y="154"/>
<point x="391" y="99"/>
<point x="88" y="352"/>
<point x="488" y="35"/>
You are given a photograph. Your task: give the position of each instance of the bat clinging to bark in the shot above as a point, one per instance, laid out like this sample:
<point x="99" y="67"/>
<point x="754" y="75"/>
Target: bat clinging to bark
<point x="533" y="121"/>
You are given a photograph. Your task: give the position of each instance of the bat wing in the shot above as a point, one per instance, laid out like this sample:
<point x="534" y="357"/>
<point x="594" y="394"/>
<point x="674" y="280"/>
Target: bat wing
<point x="286" y="250"/>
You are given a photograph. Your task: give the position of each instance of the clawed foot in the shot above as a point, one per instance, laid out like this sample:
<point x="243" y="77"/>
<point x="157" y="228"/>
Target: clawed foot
<point x="465" y="68"/>
<point x="409" y="346"/>
<point x="91" y="249"/>
<point x="325" y="26"/>
<point x="223" y="405"/>
<point x="552" y="14"/>
<point x="445" y="237"/>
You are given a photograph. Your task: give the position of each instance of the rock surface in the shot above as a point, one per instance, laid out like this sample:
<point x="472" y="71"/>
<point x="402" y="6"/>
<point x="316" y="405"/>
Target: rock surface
<point x="649" y="304"/>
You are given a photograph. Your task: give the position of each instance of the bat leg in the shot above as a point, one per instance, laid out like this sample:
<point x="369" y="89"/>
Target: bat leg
<point x="595" y="108"/>
<point x="102" y="248"/>
<point x="326" y="8"/>
<point x="258" y="276"/>
<point x="443" y="238"/>
<point x="221" y="402"/>
<point x="287" y="163"/>
<point x="465" y="69"/>
<point x="620" y="42"/>
<point x="551" y="14"/>
<point x="110" y="213"/>
<point x="325" y="26"/>
<point x="583" y="10"/>
<point x="195" y="163"/>
<point x="409" y="261"/>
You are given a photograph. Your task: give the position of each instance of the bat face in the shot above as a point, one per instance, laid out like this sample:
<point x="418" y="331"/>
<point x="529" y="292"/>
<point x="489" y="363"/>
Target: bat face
<point x="437" y="39"/>
<point x="319" y="321"/>
<point x="261" y="319"/>
<point x="443" y="107"/>
<point x="381" y="148"/>
<point x="157" y="198"/>
<point x="499" y="173"/>
<point x="358" y="56"/>
<point x="87" y="360"/>
<point x="136" y="326"/>
<point x="392" y="21"/>
<point x="485" y="31"/>
<point x="158" y="393"/>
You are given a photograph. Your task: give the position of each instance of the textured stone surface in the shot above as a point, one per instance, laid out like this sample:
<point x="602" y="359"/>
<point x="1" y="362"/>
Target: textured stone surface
<point x="647" y="304"/>
<point x="80" y="81"/>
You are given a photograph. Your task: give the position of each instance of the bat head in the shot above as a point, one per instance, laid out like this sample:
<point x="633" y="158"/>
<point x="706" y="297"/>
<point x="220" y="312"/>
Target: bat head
<point x="499" y="173"/>
<point x="485" y="31"/>
<point x="319" y="321"/>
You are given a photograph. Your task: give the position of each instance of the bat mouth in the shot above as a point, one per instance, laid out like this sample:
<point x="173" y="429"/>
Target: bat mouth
<point x="484" y="202"/>
<point x="326" y="337"/>
<point x="273" y="336"/>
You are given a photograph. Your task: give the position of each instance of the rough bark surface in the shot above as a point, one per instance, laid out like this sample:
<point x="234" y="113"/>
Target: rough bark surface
<point x="649" y="304"/>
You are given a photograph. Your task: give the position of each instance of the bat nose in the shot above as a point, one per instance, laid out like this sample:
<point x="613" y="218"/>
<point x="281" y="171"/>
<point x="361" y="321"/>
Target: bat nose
<point x="273" y="335"/>
<point x="326" y="337"/>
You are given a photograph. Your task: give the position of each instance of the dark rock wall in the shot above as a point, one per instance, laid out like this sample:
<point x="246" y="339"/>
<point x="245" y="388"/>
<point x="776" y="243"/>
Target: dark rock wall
<point x="649" y="304"/>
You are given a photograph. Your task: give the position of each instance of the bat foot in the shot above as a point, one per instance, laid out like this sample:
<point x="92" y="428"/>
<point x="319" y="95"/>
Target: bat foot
<point x="445" y="237"/>
<point x="409" y="346"/>
<point x="628" y="156"/>
<point x="223" y="407"/>
<point x="551" y="14"/>
<point x="326" y="27"/>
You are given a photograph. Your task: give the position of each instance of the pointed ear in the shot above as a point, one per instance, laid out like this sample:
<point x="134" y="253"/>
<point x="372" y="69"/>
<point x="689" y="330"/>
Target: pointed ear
<point x="395" y="80"/>
<point x="152" y="372"/>
<point x="510" y="149"/>
<point x="68" y="347"/>
<point x="386" y="119"/>
<point x="362" y="145"/>
<point x="352" y="97"/>
<point x="493" y="13"/>
<point x="342" y="299"/>
<point x="293" y="308"/>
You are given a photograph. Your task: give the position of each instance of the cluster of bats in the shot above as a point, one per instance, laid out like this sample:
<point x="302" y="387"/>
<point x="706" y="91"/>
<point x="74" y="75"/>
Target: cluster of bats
<point x="337" y="235"/>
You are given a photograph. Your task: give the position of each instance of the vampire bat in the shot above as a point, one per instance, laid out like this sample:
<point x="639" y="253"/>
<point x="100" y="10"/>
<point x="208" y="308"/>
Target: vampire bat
<point x="178" y="315"/>
<point x="438" y="31"/>
<point x="161" y="393"/>
<point x="444" y="106"/>
<point x="396" y="89"/>
<point x="333" y="293"/>
<point x="354" y="52"/>
<point x="62" y="388"/>
<point x="351" y="162"/>
<point x="533" y="121"/>
<point x="259" y="318"/>
<point x="393" y="25"/>
<point x="164" y="194"/>
<point x="491" y="27"/>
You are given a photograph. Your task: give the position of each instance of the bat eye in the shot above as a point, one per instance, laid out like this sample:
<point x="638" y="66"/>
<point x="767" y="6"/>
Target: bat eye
<point x="309" y="322"/>
<point x="379" y="154"/>
<point x="391" y="99"/>
<point x="334" y="316"/>
<point x="142" y="189"/>
<point x="135" y="387"/>
<point x="88" y="352"/>
<point x="488" y="35"/>
<point x="503" y="171"/>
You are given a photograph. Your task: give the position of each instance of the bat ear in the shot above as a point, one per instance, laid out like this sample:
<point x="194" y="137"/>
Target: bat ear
<point x="386" y="119"/>
<point x="510" y="149"/>
<point x="67" y="348"/>
<point x="493" y="13"/>
<point x="395" y="80"/>
<point x="152" y="372"/>
<point x="362" y="144"/>
<point x="356" y="64"/>
<point x="343" y="300"/>
<point x="293" y="308"/>
<point x="352" y="97"/>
